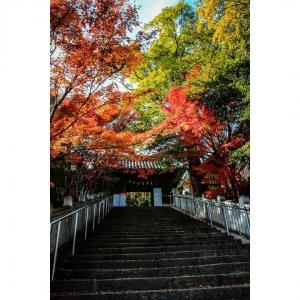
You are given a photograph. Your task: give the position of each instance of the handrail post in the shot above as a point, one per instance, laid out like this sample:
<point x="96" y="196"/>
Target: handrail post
<point x="240" y="216"/>
<point x="238" y="219"/>
<point x="94" y="214"/>
<point x="206" y="210"/>
<point x="225" y="218"/>
<point x="55" y="250"/>
<point x="75" y="231"/>
<point x="99" y="211"/>
<point x="86" y="222"/>
<point x="104" y="209"/>
<point x="186" y="206"/>
<point x="210" y="214"/>
<point x="234" y="219"/>
<point x="244" y="222"/>
<point x="230" y="217"/>
<point x="248" y="221"/>
<point x="196" y="202"/>
<point x="194" y="205"/>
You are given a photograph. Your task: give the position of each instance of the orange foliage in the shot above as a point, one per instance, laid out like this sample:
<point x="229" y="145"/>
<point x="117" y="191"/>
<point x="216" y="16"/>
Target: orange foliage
<point x="89" y="47"/>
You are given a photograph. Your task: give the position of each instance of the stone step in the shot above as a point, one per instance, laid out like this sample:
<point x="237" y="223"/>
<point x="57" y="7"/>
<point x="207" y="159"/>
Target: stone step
<point x="125" y="245"/>
<point x="154" y="263"/>
<point x="151" y="228"/>
<point x="145" y="223"/>
<point x="148" y="220"/>
<point x="133" y="231"/>
<point x="157" y="255"/>
<point x="160" y="232"/>
<point x="111" y="219"/>
<point x="140" y="209"/>
<point x="142" y="249"/>
<point x="131" y="234"/>
<point x="144" y="216"/>
<point x="198" y="237"/>
<point x="140" y="284"/>
<point x="146" y="238"/>
<point x="221" y="268"/>
<point x="100" y="244"/>
<point x="232" y="292"/>
<point x="205" y="243"/>
<point x="141" y="217"/>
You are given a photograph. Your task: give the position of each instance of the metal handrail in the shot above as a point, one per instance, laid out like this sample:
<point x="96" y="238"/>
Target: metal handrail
<point x="104" y="206"/>
<point x="210" y="201"/>
<point x="90" y="203"/>
<point x="234" y="219"/>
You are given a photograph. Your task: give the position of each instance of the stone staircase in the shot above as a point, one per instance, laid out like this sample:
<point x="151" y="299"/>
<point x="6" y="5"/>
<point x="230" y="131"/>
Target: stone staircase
<point x="153" y="253"/>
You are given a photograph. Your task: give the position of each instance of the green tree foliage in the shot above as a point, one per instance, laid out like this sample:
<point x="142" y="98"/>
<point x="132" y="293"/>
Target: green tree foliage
<point x="167" y="55"/>
<point x="224" y="80"/>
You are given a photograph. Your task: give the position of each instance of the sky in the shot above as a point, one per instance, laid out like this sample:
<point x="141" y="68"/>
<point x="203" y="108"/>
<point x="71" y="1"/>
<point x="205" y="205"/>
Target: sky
<point x="151" y="8"/>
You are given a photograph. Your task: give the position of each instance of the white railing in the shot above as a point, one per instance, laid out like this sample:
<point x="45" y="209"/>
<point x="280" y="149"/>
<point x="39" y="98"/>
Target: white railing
<point x="61" y="227"/>
<point x="233" y="218"/>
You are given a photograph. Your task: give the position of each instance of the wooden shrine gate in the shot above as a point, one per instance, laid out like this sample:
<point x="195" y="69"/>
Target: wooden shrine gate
<point x="159" y="184"/>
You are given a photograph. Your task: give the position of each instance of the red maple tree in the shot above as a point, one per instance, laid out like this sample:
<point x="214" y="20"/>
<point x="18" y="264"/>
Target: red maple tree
<point x="206" y="145"/>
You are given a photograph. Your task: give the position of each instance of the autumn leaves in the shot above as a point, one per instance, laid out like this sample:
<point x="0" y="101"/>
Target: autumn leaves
<point x="188" y="87"/>
<point x="89" y="49"/>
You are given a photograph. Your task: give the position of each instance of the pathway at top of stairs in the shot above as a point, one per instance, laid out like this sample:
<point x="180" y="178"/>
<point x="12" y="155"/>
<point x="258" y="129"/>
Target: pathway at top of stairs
<point x="153" y="253"/>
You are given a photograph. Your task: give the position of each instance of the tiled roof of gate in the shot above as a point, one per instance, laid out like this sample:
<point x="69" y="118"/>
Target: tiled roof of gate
<point x="140" y="164"/>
